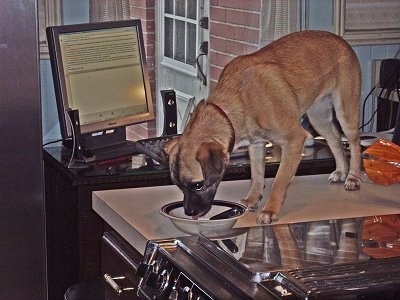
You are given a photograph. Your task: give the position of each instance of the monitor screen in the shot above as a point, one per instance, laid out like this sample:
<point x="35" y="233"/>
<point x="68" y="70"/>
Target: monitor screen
<point x="100" y="70"/>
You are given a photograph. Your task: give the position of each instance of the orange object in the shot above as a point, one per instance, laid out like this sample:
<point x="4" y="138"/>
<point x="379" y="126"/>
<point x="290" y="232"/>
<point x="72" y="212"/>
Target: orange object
<point x="381" y="236"/>
<point x="382" y="162"/>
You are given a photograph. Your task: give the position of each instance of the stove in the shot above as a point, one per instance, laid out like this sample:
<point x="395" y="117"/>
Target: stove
<point x="356" y="258"/>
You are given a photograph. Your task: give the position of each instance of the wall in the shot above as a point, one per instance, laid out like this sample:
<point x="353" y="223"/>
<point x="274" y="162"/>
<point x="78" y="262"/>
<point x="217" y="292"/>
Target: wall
<point x="366" y="55"/>
<point x="234" y="30"/>
<point x="320" y="16"/>
<point x="73" y="11"/>
<point x="145" y="10"/>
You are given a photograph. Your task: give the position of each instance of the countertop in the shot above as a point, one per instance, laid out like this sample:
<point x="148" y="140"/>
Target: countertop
<point x="134" y="213"/>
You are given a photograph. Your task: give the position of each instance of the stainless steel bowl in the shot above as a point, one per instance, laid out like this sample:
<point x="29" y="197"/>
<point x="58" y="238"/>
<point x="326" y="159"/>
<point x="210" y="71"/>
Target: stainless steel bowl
<point x="174" y="211"/>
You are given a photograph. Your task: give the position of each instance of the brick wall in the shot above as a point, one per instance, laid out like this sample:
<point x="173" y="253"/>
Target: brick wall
<point x="145" y="10"/>
<point x="234" y="30"/>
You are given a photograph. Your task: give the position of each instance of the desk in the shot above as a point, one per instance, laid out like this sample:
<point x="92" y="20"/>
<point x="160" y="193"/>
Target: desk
<point x="74" y="230"/>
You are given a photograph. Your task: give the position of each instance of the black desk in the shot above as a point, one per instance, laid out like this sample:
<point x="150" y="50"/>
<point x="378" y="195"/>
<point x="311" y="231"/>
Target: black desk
<point x="74" y="230"/>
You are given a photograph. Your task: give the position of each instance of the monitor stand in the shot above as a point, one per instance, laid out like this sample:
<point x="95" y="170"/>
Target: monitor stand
<point x="99" y="146"/>
<point x="98" y="140"/>
<point x="79" y="152"/>
<point x="109" y="145"/>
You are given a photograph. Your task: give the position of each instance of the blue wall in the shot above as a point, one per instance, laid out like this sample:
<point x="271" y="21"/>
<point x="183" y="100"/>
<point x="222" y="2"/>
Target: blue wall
<point x="319" y="15"/>
<point x="74" y="11"/>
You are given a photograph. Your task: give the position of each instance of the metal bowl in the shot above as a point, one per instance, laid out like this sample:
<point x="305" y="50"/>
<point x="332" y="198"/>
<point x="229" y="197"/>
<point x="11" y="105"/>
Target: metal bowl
<point x="210" y="221"/>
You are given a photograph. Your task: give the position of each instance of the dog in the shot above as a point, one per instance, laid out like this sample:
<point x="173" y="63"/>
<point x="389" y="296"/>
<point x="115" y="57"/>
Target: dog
<point x="261" y="97"/>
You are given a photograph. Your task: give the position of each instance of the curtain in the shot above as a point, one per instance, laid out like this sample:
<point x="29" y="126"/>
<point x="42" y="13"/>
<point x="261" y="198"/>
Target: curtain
<point x="109" y="10"/>
<point x="278" y="18"/>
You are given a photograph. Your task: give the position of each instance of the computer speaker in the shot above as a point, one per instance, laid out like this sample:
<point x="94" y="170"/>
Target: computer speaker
<point x="170" y="112"/>
<point x="389" y="74"/>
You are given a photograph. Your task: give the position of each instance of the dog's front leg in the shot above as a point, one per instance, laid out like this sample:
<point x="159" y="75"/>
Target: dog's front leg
<point x="257" y="165"/>
<point x="290" y="159"/>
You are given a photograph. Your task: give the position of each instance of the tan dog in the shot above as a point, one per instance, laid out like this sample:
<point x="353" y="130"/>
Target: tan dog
<point x="261" y="97"/>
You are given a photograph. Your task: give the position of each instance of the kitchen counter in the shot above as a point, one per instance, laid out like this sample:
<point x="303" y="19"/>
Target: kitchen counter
<point x="134" y="213"/>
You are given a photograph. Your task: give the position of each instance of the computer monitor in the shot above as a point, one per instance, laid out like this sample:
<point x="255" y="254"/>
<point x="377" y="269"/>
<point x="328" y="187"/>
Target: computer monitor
<point x="100" y="70"/>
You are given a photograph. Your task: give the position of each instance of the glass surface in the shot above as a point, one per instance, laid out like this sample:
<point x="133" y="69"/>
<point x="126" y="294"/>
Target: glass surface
<point x="168" y="37"/>
<point x="192" y="9"/>
<point x="191" y="44"/>
<point x="315" y="160"/>
<point x="180" y="8"/>
<point x="180" y="41"/>
<point x="169" y="6"/>
<point x="180" y="36"/>
<point x="310" y="249"/>
<point x="90" y="60"/>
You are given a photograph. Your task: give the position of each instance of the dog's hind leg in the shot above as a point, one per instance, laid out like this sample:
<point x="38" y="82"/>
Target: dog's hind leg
<point x="321" y="118"/>
<point x="347" y="113"/>
<point x="292" y="147"/>
<point x="320" y="115"/>
<point x="257" y="163"/>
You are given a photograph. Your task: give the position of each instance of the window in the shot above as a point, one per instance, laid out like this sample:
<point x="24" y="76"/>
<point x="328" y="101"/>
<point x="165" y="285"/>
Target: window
<point x="181" y="35"/>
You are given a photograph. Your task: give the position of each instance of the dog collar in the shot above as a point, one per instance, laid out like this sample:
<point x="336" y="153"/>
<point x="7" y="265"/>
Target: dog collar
<point x="222" y="112"/>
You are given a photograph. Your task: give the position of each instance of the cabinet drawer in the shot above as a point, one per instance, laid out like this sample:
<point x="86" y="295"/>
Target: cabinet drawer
<point x="119" y="260"/>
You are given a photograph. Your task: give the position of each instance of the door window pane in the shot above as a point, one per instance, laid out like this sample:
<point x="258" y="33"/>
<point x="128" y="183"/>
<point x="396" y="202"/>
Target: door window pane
<point x="180" y="41"/>
<point x="180" y="30"/>
<point x="192" y="10"/>
<point x="169" y="6"/>
<point x="180" y="8"/>
<point x="191" y="44"/>
<point x="168" y="40"/>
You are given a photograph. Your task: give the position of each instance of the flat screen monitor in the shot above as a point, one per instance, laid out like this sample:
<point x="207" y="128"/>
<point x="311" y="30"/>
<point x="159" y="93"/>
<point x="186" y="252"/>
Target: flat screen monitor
<point x="99" y="69"/>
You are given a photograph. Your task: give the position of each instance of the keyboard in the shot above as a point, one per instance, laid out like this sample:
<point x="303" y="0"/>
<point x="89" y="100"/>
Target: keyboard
<point x="151" y="147"/>
<point x="154" y="147"/>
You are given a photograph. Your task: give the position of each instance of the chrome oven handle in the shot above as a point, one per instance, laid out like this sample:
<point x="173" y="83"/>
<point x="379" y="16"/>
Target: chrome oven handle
<point x="111" y="281"/>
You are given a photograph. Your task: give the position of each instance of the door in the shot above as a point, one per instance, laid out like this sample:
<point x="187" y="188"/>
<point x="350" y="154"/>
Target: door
<point x="182" y="61"/>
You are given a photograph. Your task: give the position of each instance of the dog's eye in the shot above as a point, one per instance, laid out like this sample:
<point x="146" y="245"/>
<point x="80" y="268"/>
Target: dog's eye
<point x="197" y="186"/>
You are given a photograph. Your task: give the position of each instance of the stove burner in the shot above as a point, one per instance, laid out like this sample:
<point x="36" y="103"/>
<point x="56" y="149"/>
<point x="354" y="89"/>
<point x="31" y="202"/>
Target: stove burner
<point x="328" y="259"/>
<point x="380" y="277"/>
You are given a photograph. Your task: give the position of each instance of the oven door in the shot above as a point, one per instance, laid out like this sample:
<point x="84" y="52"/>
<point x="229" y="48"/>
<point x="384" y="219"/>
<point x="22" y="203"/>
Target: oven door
<point x="119" y="262"/>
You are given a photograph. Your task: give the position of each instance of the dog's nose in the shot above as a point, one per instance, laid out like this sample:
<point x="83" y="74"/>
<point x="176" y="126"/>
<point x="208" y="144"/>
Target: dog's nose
<point x="190" y="211"/>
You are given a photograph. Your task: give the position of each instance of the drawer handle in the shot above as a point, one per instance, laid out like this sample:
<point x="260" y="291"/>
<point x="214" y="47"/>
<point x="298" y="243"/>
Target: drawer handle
<point x="111" y="281"/>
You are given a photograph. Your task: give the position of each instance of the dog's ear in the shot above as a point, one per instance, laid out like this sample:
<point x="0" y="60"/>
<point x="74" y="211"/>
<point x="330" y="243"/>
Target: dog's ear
<point x="213" y="158"/>
<point x="170" y="145"/>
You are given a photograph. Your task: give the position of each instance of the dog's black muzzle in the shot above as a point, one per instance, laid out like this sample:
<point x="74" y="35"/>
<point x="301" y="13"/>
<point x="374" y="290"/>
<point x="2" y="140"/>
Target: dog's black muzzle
<point x="198" y="203"/>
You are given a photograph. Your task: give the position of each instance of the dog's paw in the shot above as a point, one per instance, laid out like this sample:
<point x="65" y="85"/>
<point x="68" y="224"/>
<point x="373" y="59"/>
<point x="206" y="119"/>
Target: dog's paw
<point x="266" y="217"/>
<point x="337" y="176"/>
<point x="352" y="183"/>
<point x="251" y="206"/>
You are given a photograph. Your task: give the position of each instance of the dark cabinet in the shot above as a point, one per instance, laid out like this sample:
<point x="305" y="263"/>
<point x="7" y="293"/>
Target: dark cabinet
<point x="119" y="262"/>
<point x="22" y="217"/>
<point x="73" y="229"/>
